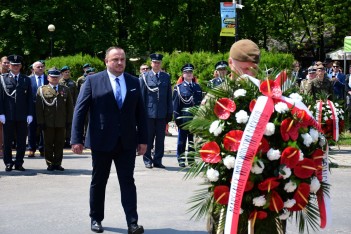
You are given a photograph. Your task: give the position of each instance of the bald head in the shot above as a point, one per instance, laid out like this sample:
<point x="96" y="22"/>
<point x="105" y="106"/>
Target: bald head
<point x="38" y="68"/>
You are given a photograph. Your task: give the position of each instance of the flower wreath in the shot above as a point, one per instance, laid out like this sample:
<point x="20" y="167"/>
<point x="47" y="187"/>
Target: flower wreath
<point x="262" y="156"/>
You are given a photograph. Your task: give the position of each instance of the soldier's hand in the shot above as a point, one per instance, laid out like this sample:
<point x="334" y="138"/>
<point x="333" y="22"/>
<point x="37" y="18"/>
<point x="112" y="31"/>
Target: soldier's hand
<point x="77" y="148"/>
<point x="142" y="149"/>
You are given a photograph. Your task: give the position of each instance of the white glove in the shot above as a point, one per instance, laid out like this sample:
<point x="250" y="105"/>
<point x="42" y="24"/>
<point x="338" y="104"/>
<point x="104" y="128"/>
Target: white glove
<point x="2" y="119"/>
<point x="29" y="119"/>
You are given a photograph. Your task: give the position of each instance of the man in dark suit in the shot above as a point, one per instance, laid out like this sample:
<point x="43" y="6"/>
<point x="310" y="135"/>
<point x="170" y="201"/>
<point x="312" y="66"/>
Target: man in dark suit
<point x="16" y="111"/>
<point x="157" y="93"/>
<point x="117" y="126"/>
<point x="35" y="135"/>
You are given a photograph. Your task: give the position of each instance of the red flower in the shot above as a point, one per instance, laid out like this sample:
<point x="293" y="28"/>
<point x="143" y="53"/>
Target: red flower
<point x="221" y="194"/>
<point x="301" y="197"/>
<point x="270" y="88"/>
<point x="305" y="168"/>
<point x="303" y="118"/>
<point x="210" y="152"/>
<point x="263" y="146"/>
<point x="249" y="185"/>
<point x="289" y="129"/>
<point x="276" y="204"/>
<point x="252" y="104"/>
<point x="341" y="125"/>
<point x="268" y="184"/>
<point x="232" y="140"/>
<point x="224" y="107"/>
<point x="257" y="215"/>
<point x="317" y="157"/>
<point x="290" y="156"/>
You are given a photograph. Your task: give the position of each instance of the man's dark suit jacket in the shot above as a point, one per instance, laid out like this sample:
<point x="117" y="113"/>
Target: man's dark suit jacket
<point x="33" y="80"/>
<point x="106" y="121"/>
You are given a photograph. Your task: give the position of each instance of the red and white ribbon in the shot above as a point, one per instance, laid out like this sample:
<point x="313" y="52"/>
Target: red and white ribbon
<point x="249" y="144"/>
<point x="335" y="121"/>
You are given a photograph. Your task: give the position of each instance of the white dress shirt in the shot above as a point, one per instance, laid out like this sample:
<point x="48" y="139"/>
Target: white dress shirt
<point x="122" y="84"/>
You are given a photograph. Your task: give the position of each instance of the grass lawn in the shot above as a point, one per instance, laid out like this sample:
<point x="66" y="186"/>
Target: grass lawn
<point x="345" y="138"/>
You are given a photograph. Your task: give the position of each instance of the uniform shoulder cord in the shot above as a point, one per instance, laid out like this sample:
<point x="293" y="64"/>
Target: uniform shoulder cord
<point x="5" y="89"/>
<point x="148" y="87"/>
<point x="44" y="100"/>
<point x="185" y="101"/>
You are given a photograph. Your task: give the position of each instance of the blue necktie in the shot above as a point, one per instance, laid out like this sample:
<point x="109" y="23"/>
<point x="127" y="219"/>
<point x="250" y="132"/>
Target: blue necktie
<point x="118" y="94"/>
<point x="39" y="81"/>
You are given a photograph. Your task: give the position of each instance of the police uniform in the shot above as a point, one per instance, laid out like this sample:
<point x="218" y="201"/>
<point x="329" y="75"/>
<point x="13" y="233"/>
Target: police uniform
<point x="54" y="112"/>
<point x="218" y="80"/>
<point x="185" y="95"/>
<point x="157" y="94"/>
<point x="74" y="93"/>
<point x="16" y="110"/>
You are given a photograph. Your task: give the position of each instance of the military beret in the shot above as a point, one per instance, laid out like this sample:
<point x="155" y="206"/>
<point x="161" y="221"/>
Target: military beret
<point x="54" y="72"/>
<point x="65" y="68"/>
<point x="156" y="57"/>
<point x="245" y="51"/>
<point x="221" y="64"/>
<point x="86" y="65"/>
<point x="15" y="59"/>
<point x="188" y="67"/>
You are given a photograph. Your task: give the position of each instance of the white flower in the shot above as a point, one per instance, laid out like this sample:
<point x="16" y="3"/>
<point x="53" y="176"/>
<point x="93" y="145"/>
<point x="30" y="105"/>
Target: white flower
<point x="273" y="154"/>
<point x="322" y="140"/>
<point x="289" y="203"/>
<point x="290" y="187"/>
<point x="285" y="172"/>
<point x="216" y="127"/>
<point x="212" y="174"/>
<point x="241" y="116"/>
<point x="285" y="215"/>
<point x="307" y="139"/>
<point x="229" y="161"/>
<point x="295" y="96"/>
<point x="314" y="134"/>
<point x="301" y="155"/>
<point x="241" y="211"/>
<point x="341" y="117"/>
<point x="270" y="128"/>
<point x="325" y="118"/>
<point x="257" y="167"/>
<point x="259" y="201"/>
<point x="336" y="104"/>
<point x="315" y="185"/>
<point x="281" y="107"/>
<point x="240" y="92"/>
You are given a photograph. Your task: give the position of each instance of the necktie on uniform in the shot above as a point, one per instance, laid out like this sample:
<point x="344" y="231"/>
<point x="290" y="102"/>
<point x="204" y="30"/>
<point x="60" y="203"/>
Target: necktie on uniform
<point x="118" y="94"/>
<point x="16" y="79"/>
<point x="157" y="75"/>
<point x="39" y="81"/>
<point x="55" y="88"/>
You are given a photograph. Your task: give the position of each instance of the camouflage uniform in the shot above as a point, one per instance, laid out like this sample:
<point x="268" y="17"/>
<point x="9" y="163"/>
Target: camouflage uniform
<point x="318" y="86"/>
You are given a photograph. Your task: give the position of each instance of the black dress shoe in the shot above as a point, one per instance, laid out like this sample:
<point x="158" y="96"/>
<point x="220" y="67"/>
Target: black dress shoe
<point x="50" y="168"/>
<point x="19" y="168"/>
<point x="135" y="229"/>
<point x="181" y="164"/>
<point x="159" y="165"/>
<point x="148" y="165"/>
<point x="96" y="226"/>
<point x="8" y="167"/>
<point x="59" y="168"/>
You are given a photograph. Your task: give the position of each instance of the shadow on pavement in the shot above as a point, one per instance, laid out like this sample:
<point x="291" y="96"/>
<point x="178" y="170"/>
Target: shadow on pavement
<point x="156" y="231"/>
<point x="34" y="172"/>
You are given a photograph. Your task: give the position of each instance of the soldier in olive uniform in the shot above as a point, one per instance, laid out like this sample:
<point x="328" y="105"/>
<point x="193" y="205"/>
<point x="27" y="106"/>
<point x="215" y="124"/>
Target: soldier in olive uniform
<point x="54" y="113"/>
<point x="81" y="80"/>
<point x="185" y="95"/>
<point x="68" y="82"/>
<point x="306" y="83"/>
<point x="321" y="84"/>
<point x="16" y="111"/>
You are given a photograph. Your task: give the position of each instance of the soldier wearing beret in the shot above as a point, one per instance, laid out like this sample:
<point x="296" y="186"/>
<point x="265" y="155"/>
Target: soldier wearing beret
<point x="321" y="84"/>
<point x="68" y="82"/>
<point x="54" y="109"/>
<point x="16" y="111"/>
<point x="220" y="74"/>
<point x="157" y="94"/>
<point x="81" y="80"/>
<point x="185" y="94"/>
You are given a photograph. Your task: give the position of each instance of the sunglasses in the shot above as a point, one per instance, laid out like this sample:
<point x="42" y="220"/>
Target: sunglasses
<point x="335" y="66"/>
<point x="144" y="68"/>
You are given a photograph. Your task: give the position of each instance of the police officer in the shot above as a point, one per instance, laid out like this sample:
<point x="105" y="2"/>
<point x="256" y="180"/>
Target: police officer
<point x="68" y="82"/>
<point x="16" y="111"/>
<point x="185" y="95"/>
<point x="220" y="74"/>
<point x="157" y="93"/>
<point x="54" y="109"/>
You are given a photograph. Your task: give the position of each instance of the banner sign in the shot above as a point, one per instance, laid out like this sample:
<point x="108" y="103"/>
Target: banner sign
<point x="228" y="19"/>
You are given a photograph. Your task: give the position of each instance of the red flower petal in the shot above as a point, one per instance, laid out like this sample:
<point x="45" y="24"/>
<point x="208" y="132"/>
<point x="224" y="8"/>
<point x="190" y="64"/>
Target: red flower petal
<point x="232" y="140"/>
<point x="301" y="197"/>
<point x="263" y="146"/>
<point x="268" y="184"/>
<point x="276" y="203"/>
<point x="221" y="194"/>
<point x="270" y="88"/>
<point x="224" y="107"/>
<point x="289" y="129"/>
<point x="210" y="152"/>
<point x="290" y="156"/>
<point x="249" y="185"/>
<point x="305" y="168"/>
<point x="317" y="156"/>
<point x="252" y="104"/>
<point x="258" y="215"/>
